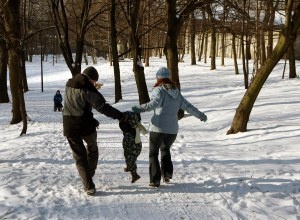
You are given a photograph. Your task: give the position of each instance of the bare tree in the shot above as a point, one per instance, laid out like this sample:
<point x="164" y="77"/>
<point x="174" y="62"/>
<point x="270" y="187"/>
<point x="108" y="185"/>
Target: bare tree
<point x="273" y="6"/>
<point x="213" y="41"/>
<point x="3" y="69"/>
<point x="132" y="12"/>
<point x="193" y="36"/>
<point x="72" y="21"/>
<point x="287" y="38"/>
<point x="176" y="17"/>
<point x="114" y="49"/>
<point x="234" y="54"/>
<point x="11" y="18"/>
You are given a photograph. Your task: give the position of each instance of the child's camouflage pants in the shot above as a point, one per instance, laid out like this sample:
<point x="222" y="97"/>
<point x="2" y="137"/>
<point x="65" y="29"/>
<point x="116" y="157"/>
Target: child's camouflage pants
<point x="131" y="151"/>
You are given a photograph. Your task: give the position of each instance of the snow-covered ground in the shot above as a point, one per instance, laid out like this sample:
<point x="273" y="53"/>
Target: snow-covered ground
<point x="251" y="175"/>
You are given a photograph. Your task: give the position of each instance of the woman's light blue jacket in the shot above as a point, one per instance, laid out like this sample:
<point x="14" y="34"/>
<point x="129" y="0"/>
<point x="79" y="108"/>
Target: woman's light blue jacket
<point x="166" y="100"/>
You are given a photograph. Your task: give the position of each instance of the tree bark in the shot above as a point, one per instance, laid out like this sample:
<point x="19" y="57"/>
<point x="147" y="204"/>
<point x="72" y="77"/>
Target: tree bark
<point x="205" y="47"/>
<point x="201" y="44"/>
<point x="175" y="22"/>
<point x="213" y="40"/>
<point x="292" y="63"/>
<point x="193" y="36"/>
<point x="24" y="77"/>
<point x="236" y="68"/>
<point x="213" y="49"/>
<point x="273" y="9"/>
<point x="3" y="72"/>
<point x="114" y="50"/>
<point x="138" y="67"/>
<point x="11" y="10"/>
<point x="170" y="49"/>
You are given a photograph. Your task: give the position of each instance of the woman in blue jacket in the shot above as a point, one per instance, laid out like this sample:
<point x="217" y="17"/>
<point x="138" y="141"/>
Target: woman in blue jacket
<point x="166" y="100"/>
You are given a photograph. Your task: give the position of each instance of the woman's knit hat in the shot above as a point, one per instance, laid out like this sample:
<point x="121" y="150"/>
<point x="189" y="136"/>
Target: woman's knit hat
<point x="91" y="73"/>
<point x="162" y="73"/>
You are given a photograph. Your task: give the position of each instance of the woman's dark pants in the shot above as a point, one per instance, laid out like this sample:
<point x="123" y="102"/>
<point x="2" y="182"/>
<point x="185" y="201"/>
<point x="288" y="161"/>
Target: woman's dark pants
<point x="162" y="142"/>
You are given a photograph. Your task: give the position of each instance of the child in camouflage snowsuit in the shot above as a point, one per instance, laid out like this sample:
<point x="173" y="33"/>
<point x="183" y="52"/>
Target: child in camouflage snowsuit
<point x="132" y="144"/>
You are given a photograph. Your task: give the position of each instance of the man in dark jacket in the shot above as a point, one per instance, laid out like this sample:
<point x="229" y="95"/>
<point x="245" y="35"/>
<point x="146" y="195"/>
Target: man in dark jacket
<point x="79" y="124"/>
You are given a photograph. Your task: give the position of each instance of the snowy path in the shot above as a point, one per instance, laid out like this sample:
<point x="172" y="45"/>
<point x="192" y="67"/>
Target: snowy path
<point x="40" y="179"/>
<point x="43" y="181"/>
<point x="253" y="175"/>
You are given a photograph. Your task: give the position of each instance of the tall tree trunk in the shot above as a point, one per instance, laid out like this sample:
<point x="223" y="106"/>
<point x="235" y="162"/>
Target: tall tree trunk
<point x="213" y="41"/>
<point x="292" y="63"/>
<point x="263" y="55"/>
<point x="193" y="36"/>
<point x="213" y="49"/>
<point x="273" y="9"/>
<point x="11" y="11"/>
<point x="236" y="68"/>
<point x="24" y="78"/>
<point x="138" y="68"/>
<point x="205" y="47"/>
<point x="170" y="49"/>
<point x="202" y="36"/>
<point x="148" y="50"/>
<point x="114" y="50"/>
<point x="175" y="22"/>
<point x="182" y="44"/>
<point x="287" y="38"/>
<point x="201" y="44"/>
<point x="245" y="72"/>
<point x="3" y="72"/>
<point x="223" y="48"/>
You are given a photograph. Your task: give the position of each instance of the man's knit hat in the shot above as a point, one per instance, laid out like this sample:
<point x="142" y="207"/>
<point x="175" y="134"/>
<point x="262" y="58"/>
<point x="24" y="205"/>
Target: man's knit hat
<point x="162" y="73"/>
<point x="91" y="73"/>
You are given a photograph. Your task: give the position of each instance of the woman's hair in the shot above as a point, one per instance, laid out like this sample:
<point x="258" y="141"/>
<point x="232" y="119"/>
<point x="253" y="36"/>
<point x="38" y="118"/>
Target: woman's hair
<point x="164" y="81"/>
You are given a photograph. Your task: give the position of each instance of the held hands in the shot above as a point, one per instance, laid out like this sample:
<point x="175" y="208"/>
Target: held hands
<point x="203" y="118"/>
<point x="136" y="109"/>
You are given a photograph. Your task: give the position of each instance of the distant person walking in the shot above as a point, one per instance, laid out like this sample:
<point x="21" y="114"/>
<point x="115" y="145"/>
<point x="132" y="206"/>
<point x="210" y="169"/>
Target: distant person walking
<point x="57" y="101"/>
<point x="166" y="100"/>
<point x="79" y="124"/>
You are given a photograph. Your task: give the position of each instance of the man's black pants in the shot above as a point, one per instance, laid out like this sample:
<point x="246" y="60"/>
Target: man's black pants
<point x="86" y="157"/>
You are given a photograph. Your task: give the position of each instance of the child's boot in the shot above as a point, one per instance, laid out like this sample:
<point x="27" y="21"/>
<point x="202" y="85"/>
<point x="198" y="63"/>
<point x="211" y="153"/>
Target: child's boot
<point x="135" y="177"/>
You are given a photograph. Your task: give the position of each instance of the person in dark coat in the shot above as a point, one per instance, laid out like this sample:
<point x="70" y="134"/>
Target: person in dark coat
<point x="79" y="125"/>
<point x="58" y="101"/>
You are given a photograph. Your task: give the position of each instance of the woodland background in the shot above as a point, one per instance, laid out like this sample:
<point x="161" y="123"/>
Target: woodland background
<point x="264" y="31"/>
